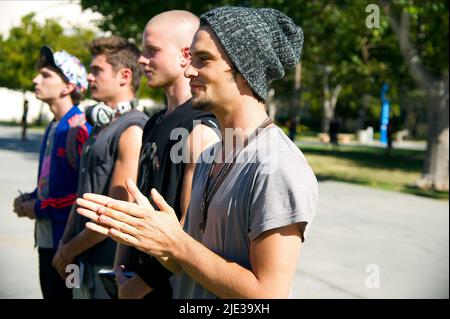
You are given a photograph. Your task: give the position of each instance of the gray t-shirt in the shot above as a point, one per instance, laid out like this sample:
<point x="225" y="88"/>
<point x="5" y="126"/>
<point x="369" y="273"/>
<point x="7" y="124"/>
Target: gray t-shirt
<point x="270" y="186"/>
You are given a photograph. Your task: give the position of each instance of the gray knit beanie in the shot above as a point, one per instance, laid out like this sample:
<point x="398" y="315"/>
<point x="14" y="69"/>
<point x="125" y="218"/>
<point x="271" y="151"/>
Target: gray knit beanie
<point x="261" y="43"/>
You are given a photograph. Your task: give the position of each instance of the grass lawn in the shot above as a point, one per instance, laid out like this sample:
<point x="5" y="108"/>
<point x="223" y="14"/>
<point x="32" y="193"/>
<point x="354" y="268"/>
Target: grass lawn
<point x="370" y="166"/>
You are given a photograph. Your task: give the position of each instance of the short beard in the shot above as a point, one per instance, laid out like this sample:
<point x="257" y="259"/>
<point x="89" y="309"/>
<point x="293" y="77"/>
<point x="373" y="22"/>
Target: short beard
<point x="206" y="106"/>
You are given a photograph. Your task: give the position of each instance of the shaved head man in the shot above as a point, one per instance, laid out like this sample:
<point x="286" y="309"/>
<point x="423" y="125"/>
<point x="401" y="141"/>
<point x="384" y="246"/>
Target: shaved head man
<point x="166" y="41"/>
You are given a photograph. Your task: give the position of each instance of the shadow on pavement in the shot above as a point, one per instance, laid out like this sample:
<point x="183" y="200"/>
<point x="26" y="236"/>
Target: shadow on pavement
<point x="31" y="145"/>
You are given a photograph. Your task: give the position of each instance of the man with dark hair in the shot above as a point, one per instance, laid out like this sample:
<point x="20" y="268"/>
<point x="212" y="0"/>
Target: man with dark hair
<point x="110" y="156"/>
<point x="248" y="214"/>
<point x="61" y="78"/>
<point x="166" y="41"/>
<point x="119" y="53"/>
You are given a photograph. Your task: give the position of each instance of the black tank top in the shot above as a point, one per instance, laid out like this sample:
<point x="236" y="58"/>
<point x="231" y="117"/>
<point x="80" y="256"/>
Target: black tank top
<point x="157" y="170"/>
<point x="96" y="168"/>
<point x="156" y="167"/>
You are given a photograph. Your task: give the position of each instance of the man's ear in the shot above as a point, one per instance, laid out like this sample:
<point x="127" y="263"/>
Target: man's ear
<point x="185" y="57"/>
<point x="68" y="89"/>
<point x="126" y="76"/>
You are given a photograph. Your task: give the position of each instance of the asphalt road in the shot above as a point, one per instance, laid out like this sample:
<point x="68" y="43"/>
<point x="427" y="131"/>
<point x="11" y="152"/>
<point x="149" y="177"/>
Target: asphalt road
<point x="363" y="243"/>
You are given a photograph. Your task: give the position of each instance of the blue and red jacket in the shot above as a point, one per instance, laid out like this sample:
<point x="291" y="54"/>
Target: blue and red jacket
<point x="70" y="135"/>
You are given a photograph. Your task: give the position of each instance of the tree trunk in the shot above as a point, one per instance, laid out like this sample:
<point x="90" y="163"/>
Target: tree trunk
<point x="329" y="105"/>
<point x="435" y="173"/>
<point x="436" y="167"/>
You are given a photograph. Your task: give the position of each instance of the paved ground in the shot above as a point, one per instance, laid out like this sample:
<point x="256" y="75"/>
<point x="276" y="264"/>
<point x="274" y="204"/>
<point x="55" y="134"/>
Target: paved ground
<point x="18" y="258"/>
<point x="405" y="236"/>
<point x="401" y="238"/>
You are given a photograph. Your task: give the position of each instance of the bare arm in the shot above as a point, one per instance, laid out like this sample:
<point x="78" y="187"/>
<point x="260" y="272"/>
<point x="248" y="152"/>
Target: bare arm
<point x="273" y="257"/>
<point x="133" y="288"/>
<point x="122" y="255"/>
<point x="125" y="166"/>
<point x="200" y="138"/>
<point x="68" y="230"/>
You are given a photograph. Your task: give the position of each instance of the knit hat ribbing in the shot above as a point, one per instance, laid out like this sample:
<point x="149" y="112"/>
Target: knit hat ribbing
<point x="261" y="43"/>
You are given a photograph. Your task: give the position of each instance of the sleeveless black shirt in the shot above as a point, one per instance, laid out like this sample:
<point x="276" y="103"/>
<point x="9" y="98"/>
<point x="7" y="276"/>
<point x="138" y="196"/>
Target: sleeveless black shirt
<point x="158" y="170"/>
<point x="96" y="168"/>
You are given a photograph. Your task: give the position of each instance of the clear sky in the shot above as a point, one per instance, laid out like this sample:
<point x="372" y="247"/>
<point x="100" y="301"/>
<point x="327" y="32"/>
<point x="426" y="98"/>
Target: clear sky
<point x="68" y="12"/>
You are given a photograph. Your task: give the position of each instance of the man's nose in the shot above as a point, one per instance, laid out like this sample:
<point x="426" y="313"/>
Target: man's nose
<point x="90" y="77"/>
<point x="143" y="60"/>
<point x="36" y="79"/>
<point x="190" y="71"/>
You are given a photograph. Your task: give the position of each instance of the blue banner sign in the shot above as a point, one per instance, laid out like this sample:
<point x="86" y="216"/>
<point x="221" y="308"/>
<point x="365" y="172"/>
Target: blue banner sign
<point x="384" y="114"/>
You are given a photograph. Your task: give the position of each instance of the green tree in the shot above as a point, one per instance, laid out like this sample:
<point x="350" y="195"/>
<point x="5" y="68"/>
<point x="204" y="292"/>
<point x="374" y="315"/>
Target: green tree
<point x="421" y="29"/>
<point x="327" y="45"/>
<point x="345" y="63"/>
<point x="19" y="52"/>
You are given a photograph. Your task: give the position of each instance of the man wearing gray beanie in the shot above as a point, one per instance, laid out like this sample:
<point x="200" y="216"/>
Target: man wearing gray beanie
<point x="251" y="201"/>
